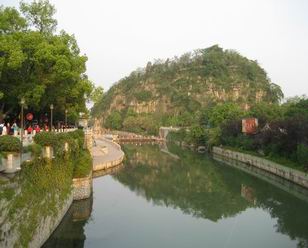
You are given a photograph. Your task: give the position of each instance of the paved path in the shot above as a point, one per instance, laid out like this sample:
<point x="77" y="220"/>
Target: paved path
<point x="102" y="160"/>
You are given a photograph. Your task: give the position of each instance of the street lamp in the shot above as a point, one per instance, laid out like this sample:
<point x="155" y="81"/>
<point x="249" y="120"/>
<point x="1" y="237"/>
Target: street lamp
<point x="51" y="110"/>
<point x="66" y="111"/>
<point x="22" y="103"/>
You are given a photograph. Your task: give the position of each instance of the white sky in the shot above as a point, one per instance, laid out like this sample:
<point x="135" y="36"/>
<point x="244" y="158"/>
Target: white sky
<point x="119" y="36"/>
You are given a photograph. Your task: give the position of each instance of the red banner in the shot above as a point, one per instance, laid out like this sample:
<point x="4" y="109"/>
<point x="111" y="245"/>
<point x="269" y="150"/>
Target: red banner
<point x="249" y="125"/>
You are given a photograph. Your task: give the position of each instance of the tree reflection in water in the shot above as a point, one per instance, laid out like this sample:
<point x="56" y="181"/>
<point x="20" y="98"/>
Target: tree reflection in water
<point x="70" y="232"/>
<point x="207" y="189"/>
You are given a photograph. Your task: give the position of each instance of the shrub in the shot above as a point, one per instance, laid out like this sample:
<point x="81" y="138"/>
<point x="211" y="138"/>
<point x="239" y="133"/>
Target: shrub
<point x="176" y="136"/>
<point x="46" y="139"/>
<point x="9" y="144"/>
<point x="114" y="120"/>
<point x="35" y="149"/>
<point x="302" y="154"/>
<point x="82" y="164"/>
<point x="56" y="141"/>
<point x="77" y="136"/>
<point x="143" y="96"/>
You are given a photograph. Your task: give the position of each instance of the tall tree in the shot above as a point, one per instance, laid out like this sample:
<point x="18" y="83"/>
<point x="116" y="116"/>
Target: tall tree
<point x="40" y="15"/>
<point x="43" y="69"/>
<point x="11" y="21"/>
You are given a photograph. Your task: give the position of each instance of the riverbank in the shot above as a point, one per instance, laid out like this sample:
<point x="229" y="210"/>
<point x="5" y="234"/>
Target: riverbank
<point x="287" y="173"/>
<point x="34" y="200"/>
<point x="192" y="194"/>
<point x="106" y="154"/>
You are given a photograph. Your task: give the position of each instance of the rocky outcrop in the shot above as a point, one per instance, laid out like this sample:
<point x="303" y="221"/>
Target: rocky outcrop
<point x="186" y="84"/>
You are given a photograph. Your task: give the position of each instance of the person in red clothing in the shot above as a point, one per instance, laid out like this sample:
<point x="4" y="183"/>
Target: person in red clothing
<point x="37" y="129"/>
<point x="30" y="129"/>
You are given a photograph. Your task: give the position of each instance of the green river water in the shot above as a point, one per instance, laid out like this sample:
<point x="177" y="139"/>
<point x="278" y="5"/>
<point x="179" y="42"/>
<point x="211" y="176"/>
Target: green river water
<point x="176" y="198"/>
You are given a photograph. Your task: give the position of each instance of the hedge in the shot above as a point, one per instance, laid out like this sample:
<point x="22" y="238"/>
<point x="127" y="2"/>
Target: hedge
<point x="75" y="140"/>
<point x="9" y="144"/>
<point x="46" y="139"/>
<point x="80" y="157"/>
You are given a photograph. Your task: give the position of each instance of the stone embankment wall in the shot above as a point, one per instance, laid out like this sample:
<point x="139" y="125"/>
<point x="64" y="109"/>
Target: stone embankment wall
<point x="108" y="164"/>
<point x="290" y="174"/>
<point x="49" y="224"/>
<point x="82" y="187"/>
<point x="116" y="156"/>
<point x="88" y="139"/>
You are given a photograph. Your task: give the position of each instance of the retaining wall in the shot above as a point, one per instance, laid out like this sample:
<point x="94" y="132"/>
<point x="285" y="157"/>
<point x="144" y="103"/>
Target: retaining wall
<point x="110" y="163"/>
<point x="82" y="187"/>
<point x="290" y="174"/>
<point x="49" y="224"/>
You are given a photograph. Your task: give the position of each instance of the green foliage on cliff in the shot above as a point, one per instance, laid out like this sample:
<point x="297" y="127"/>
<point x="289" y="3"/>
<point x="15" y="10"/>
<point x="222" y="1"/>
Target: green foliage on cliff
<point x="175" y="91"/>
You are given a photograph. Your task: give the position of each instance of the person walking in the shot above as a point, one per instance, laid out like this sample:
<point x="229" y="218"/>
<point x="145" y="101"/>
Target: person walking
<point x="8" y="128"/>
<point x="4" y="131"/>
<point x="1" y="128"/>
<point x="15" y="129"/>
<point x="30" y="129"/>
<point x="37" y="129"/>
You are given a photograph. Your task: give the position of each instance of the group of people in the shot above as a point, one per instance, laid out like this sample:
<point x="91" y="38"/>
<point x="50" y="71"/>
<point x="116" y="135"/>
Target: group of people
<point x="8" y="129"/>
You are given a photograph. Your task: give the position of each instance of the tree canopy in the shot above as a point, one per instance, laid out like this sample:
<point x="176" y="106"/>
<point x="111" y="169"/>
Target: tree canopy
<point x="39" y="65"/>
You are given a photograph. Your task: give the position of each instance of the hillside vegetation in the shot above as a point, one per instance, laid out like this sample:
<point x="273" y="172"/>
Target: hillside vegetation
<point x="175" y="91"/>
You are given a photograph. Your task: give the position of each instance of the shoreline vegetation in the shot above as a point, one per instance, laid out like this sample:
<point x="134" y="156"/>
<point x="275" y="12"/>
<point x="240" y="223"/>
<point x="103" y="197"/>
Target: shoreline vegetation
<point x="281" y="136"/>
<point x="43" y="181"/>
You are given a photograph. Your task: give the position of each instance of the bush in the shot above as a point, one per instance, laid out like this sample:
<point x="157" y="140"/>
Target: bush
<point x="46" y="139"/>
<point x="176" y="136"/>
<point x="77" y="136"/>
<point x="56" y="141"/>
<point x="114" y="120"/>
<point x="9" y="144"/>
<point x="143" y="96"/>
<point x="144" y="124"/>
<point x="82" y="164"/>
<point x="35" y="149"/>
<point x="302" y="155"/>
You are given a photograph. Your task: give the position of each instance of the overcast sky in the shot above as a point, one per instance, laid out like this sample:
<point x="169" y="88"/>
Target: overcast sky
<point x="119" y="36"/>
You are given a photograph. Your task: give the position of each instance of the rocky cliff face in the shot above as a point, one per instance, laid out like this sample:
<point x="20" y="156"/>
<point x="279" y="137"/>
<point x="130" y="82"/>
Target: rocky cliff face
<point x="186" y="84"/>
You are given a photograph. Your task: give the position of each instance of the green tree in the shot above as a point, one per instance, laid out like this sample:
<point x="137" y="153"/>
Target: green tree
<point x="223" y="113"/>
<point x="266" y="112"/>
<point x="97" y="94"/>
<point x="40" y="15"/>
<point x="11" y="21"/>
<point x="114" y="121"/>
<point x="43" y="69"/>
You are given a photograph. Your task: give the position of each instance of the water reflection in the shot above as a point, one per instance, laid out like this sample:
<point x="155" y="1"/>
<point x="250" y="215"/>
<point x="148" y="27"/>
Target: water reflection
<point x="206" y="189"/>
<point x="108" y="171"/>
<point x="176" y="198"/>
<point x="70" y="232"/>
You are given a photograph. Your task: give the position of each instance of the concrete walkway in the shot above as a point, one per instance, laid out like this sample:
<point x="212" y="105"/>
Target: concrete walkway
<point x="106" y="154"/>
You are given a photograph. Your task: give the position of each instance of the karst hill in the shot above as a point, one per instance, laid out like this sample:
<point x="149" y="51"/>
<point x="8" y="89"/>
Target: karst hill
<point x="168" y="92"/>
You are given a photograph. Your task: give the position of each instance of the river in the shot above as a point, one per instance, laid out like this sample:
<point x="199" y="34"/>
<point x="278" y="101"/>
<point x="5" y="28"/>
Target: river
<point x="184" y="199"/>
